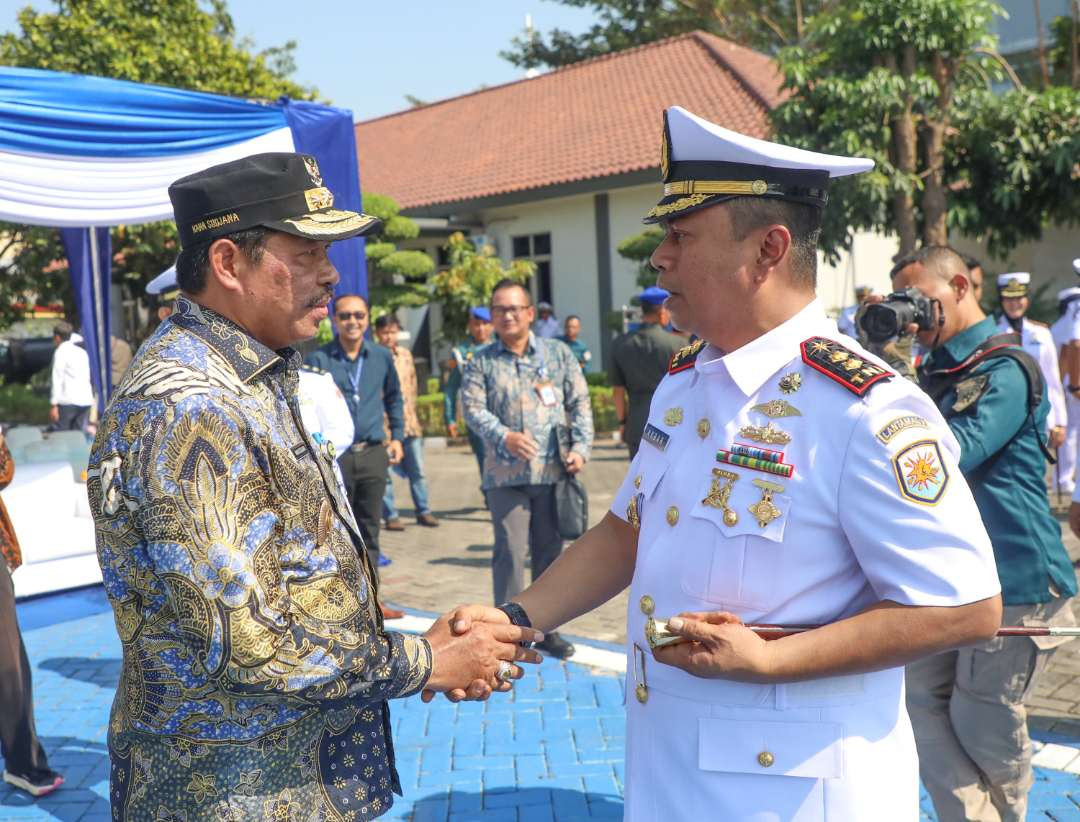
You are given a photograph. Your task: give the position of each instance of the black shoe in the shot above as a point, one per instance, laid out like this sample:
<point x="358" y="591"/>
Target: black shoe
<point x="554" y="645"/>
<point x="37" y="782"/>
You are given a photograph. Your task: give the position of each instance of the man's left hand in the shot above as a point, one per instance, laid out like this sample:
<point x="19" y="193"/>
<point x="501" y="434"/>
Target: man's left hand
<point x="1057" y="437"/>
<point x="720" y="647"/>
<point x="574" y="463"/>
<point x="395" y="452"/>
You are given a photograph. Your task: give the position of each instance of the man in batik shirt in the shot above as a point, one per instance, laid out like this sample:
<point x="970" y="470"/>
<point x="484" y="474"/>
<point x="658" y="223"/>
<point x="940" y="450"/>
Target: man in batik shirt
<point x="256" y="668"/>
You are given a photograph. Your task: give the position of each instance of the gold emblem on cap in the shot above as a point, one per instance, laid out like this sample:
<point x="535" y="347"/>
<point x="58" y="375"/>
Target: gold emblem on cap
<point x="703" y="427"/>
<point x="765" y="510"/>
<point x="672" y="516"/>
<point x="319" y="198"/>
<point x="665" y="152"/>
<point x="790" y="383"/>
<point x="759" y="187"/>
<point x="334" y="221"/>
<point x="312" y="166"/>
<point x="673" y="416"/>
<point x="778" y="408"/>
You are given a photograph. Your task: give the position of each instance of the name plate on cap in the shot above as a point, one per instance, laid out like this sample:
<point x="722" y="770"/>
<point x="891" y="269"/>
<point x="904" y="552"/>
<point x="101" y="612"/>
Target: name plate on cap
<point x="655" y="437"/>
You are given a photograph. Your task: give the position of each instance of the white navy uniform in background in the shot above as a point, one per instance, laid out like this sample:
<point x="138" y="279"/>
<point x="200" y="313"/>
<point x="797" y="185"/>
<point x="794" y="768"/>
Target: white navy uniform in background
<point x="1064" y="330"/>
<point x="876" y="509"/>
<point x="1038" y="341"/>
<point x="325" y="414"/>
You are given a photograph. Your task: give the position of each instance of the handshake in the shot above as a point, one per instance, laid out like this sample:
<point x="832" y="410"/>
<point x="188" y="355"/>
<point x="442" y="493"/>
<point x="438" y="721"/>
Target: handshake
<point x="475" y="651"/>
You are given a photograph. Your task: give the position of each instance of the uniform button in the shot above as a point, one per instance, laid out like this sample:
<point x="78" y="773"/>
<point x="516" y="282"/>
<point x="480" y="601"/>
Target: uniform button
<point x="647" y="605"/>
<point x="765" y="759"/>
<point x="672" y="515"/>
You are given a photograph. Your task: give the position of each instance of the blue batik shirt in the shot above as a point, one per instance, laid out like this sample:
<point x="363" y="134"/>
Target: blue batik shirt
<point x="500" y="394"/>
<point x="255" y="665"/>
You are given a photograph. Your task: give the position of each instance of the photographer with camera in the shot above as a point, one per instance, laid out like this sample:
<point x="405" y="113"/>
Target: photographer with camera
<point x="967" y="706"/>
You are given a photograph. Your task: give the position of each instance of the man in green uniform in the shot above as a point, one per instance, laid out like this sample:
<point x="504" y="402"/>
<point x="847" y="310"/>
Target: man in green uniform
<point x="967" y="706"/>
<point x="639" y="360"/>
<point x="479" y="328"/>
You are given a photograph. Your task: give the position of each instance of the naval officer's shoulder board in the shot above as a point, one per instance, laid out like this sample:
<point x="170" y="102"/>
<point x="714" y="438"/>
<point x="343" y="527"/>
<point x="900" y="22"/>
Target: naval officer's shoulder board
<point x="842" y="365"/>
<point x="684" y="358"/>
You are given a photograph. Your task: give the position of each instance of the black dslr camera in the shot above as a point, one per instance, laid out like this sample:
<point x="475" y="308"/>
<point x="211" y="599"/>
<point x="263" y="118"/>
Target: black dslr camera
<point x="890" y="318"/>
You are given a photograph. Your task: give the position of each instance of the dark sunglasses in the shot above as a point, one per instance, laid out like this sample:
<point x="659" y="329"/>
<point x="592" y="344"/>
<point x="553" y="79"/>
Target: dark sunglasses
<point x="352" y="315"/>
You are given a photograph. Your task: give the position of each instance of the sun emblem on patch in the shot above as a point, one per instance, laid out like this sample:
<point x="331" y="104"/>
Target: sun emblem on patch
<point x="921" y="473"/>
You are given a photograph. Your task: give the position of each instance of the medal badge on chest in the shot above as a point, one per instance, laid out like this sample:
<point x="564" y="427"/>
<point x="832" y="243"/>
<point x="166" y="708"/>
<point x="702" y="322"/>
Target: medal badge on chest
<point x="723" y="482"/>
<point x="765" y="510"/>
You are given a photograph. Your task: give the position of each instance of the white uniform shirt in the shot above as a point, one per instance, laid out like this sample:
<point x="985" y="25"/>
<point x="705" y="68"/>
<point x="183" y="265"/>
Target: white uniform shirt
<point x="71" y="375"/>
<point x="1067" y="327"/>
<point x="1038" y="341"/>
<point x="324" y="410"/>
<point x="846" y="322"/>
<point x="876" y="509"/>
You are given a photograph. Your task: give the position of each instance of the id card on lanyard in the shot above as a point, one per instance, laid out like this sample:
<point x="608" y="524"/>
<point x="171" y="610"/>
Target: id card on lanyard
<point x="545" y="390"/>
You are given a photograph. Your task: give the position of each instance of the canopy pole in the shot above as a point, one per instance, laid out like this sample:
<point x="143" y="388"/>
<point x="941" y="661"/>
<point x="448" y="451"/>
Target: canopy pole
<point x="99" y="317"/>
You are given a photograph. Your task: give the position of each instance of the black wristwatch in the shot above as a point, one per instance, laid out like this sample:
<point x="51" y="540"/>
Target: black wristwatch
<point x="518" y="617"/>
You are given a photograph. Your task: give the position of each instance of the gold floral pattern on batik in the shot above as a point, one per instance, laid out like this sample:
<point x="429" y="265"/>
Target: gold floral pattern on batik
<point x="252" y="639"/>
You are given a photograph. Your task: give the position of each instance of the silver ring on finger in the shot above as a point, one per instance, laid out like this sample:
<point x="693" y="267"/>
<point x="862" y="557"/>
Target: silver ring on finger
<point x="506" y="671"/>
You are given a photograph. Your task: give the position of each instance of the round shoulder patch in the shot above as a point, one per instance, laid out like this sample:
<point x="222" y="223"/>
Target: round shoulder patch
<point x="921" y="473"/>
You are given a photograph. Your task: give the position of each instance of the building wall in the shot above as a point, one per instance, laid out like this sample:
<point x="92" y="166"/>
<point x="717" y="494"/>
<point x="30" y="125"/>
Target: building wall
<point x="1049" y="260"/>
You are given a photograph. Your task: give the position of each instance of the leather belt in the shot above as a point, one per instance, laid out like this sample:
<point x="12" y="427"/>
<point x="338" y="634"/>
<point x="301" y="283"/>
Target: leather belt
<point x="357" y="447"/>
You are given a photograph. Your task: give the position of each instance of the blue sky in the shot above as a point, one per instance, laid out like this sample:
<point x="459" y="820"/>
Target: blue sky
<point x="367" y="55"/>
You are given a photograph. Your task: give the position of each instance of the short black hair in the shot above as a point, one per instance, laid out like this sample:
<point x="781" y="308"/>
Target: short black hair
<point x="63" y="330"/>
<point x="969" y="261"/>
<point x="940" y="259"/>
<point x="360" y="297"/>
<point x="385" y="320"/>
<point x="802" y="220"/>
<point x="193" y="264"/>
<point x="571" y="317"/>
<point x="506" y="283"/>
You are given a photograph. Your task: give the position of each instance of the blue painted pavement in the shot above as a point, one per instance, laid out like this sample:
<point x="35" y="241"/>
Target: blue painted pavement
<point x="553" y="752"/>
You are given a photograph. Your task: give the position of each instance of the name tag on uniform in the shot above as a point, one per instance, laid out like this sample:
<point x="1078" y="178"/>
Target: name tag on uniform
<point x="299" y="451"/>
<point x="546" y="392"/>
<point x="655" y="437"/>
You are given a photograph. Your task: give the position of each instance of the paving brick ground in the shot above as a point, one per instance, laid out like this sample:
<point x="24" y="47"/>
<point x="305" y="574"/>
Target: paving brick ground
<point x="553" y="752"/>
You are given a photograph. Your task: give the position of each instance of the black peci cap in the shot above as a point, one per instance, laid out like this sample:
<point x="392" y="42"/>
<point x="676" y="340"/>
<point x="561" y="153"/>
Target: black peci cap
<point x="280" y="191"/>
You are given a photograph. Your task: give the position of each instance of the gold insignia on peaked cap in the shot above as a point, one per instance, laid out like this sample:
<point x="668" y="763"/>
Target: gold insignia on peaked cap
<point x="327" y="223"/>
<point x="1014" y="284"/>
<point x="312" y="166"/>
<point x="319" y="198"/>
<point x="665" y="150"/>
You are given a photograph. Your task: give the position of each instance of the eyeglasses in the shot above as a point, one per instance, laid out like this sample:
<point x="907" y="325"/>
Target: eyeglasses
<point x="508" y="310"/>
<point x="352" y="315"/>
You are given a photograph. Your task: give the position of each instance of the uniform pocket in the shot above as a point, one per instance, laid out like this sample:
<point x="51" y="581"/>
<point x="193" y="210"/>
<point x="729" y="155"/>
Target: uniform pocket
<point x="813" y="750"/>
<point x="715" y="561"/>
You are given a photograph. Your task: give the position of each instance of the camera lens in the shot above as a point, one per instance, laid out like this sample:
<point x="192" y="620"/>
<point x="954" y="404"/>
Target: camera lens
<point x="880" y="322"/>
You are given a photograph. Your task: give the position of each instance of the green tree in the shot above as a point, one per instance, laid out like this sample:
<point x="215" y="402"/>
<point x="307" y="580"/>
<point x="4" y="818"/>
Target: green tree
<point x="638" y="248"/>
<point x="396" y="278"/>
<point x="762" y="24"/>
<point x="469" y="280"/>
<point x="180" y="43"/>
<point x="908" y="83"/>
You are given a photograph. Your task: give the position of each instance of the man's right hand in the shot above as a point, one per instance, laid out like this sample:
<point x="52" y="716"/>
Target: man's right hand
<point x="467" y="664"/>
<point x="452" y="429"/>
<point x="54" y="413"/>
<point x="521" y="445"/>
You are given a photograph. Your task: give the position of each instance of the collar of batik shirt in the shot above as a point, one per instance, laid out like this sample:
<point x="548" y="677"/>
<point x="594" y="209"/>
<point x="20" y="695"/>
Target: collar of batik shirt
<point x="248" y="357"/>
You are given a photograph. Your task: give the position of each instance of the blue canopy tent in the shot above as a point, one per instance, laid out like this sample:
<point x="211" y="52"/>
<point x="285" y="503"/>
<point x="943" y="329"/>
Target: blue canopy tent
<point x="85" y="153"/>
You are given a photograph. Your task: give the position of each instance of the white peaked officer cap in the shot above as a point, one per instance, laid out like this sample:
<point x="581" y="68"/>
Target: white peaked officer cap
<point x="703" y="164"/>
<point x="1014" y="284"/>
<point x="1076" y="265"/>
<point x="163" y="282"/>
<point x="1068" y="294"/>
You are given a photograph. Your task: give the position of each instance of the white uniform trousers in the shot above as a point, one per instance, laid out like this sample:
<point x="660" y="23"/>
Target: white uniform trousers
<point x="1067" y="454"/>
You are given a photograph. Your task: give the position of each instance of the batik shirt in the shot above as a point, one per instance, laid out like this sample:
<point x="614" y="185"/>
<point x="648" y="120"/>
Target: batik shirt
<point x="501" y="392"/>
<point x="255" y="665"/>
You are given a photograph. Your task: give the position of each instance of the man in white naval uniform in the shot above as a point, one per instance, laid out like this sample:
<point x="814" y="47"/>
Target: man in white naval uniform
<point x="1066" y="334"/>
<point x="783" y="477"/>
<point x="1038" y="341"/>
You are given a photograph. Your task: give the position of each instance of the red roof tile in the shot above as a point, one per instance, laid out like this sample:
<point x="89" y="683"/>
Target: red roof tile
<point x="597" y="118"/>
